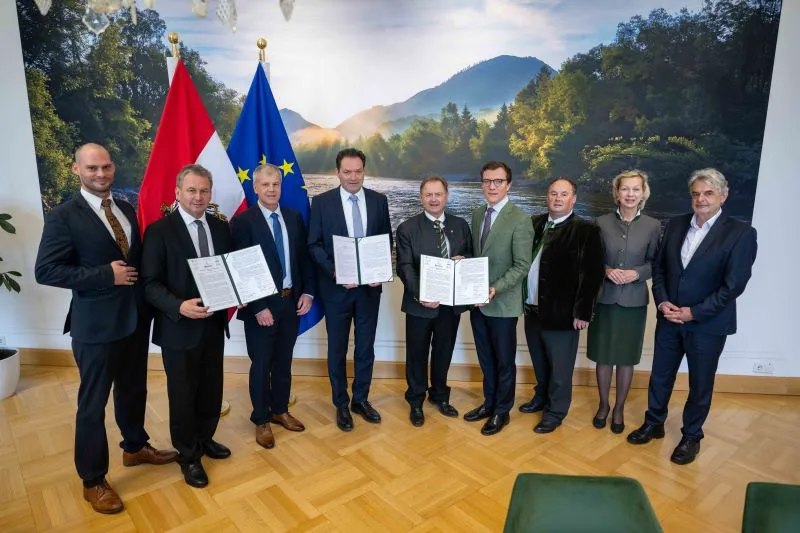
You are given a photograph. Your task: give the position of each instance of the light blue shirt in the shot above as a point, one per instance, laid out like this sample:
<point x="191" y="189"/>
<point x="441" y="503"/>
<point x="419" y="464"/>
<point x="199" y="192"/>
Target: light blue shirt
<point x="347" y="206"/>
<point x="287" y="276"/>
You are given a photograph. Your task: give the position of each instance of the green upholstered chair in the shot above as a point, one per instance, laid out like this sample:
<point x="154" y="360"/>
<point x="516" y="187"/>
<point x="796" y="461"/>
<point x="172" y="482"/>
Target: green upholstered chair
<point x="545" y="503"/>
<point x="771" y="508"/>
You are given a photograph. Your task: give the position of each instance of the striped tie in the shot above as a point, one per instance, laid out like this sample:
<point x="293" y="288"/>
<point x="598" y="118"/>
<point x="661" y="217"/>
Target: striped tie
<point x="437" y="224"/>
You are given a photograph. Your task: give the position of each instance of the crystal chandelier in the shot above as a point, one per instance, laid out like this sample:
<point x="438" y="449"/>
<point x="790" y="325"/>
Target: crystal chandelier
<point x="97" y="13"/>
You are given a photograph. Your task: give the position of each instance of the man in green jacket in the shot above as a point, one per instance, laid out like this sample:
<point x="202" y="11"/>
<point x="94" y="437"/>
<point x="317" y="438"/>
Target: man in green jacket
<point x="504" y="234"/>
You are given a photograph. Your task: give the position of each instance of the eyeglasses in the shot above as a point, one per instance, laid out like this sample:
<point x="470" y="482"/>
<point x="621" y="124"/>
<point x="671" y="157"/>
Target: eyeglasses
<point x="496" y="183"/>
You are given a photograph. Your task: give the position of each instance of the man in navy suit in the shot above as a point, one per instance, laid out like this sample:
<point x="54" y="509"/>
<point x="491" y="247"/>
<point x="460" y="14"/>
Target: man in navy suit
<point x="704" y="263"/>
<point x="91" y="245"/>
<point x="270" y="324"/>
<point x="350" y="210"/>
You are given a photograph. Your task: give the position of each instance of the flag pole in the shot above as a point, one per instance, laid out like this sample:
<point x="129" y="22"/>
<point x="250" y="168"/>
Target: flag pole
<point x="261" y="43"/>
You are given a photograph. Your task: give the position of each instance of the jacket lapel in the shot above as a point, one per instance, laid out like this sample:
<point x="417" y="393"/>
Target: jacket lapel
<point x="477" y="219"/>
<point x="263" y="229"/>
<point x="499" y="219"/>
<point x="95" y="220"/>
<point x="709" y="239"/>
<point x="182" y="233"/>
<point x="338" y="222"/>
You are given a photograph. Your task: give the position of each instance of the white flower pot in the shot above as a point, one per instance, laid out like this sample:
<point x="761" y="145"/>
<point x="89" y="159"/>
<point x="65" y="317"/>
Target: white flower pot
<point x="9" y="372"/>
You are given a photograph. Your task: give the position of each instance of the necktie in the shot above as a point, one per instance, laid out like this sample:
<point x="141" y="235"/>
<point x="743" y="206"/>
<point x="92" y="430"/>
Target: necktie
<point x="540" y="244"/>
<point x="116" y="227"/>
<point x="358" y="225"/>
<point x="202" y="238"/>
<point x="487" y="225"/>
<point x="437" y="224"/>
<point x="277" y="234"/>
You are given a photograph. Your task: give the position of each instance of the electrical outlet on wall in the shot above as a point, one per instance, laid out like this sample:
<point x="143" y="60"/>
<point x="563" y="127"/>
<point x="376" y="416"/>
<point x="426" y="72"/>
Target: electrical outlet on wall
<point x="763" y="367"/>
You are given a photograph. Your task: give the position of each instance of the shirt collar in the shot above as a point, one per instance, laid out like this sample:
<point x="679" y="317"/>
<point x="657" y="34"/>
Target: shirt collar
<point x="267" y="212"/>
<point x="499" y="205"/>
<point x="432" y="218"/>
<point x="710" y="222"/>
<point x="619" y="215"/>
<point x="189" y="219"/>
<point x="558" y="221"/>
<point x="346" y="195"/>
<point x="94" y="201"/>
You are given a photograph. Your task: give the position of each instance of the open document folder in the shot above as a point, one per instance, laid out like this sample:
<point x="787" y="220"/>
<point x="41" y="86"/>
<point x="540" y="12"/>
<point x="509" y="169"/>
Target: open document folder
<point x="454" y="281"/>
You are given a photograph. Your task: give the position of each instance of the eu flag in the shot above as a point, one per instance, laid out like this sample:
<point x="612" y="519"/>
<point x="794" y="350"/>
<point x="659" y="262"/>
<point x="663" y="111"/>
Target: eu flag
<point x="260" y="137"/>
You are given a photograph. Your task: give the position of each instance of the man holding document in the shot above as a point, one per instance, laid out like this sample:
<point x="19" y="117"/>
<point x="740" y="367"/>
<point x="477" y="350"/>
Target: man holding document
<point x="435" y="239"/>
<point x="191" y="336"/>
<point x="350" y="269"/>
<point x="270" y="324"/>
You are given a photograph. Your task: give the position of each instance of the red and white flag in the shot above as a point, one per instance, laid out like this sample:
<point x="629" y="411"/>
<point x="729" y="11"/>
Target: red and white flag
<point x="185" y="136"/>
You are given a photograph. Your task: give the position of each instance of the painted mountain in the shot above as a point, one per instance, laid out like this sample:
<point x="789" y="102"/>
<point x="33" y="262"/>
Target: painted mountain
<point x="483" y="87"/>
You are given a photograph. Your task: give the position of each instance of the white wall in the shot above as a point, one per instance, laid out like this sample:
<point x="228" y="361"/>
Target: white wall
<point x="767" y="311"/>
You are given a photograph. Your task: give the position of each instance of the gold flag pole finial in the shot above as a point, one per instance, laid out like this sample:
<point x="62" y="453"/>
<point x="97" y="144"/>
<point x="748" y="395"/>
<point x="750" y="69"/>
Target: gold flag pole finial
<point x="174" y="38"/>
<point x="262" y="49"/>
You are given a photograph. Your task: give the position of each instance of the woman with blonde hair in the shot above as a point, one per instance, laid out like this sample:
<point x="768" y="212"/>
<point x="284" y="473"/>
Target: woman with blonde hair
<point x="616" y="333"/>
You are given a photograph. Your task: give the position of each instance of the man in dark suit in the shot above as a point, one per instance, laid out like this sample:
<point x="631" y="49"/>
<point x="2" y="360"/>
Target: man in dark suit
<point x="429" y="233"/>
<point x="270" y="324"/>
<point x="503" y="233"/>
<point x="704" y="263"/>
<point x="562" y="288"/>
<point x="350" y="210"/>
<point x="91" y="245"/>
<point x="191" y="337"/>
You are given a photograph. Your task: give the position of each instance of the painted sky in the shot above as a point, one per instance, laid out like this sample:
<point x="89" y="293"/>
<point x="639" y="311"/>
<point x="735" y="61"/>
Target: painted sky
<point x="337" y="57"/>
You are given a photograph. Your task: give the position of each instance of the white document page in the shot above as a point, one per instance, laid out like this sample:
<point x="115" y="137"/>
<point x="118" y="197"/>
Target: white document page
<point x="375" y="259"/>
<point x="345" y="260"/>
<point x="250" y="274"/>
<point x="211" y="278"/>
<point x="436" y="276"/>
<point x="472" y="281"/>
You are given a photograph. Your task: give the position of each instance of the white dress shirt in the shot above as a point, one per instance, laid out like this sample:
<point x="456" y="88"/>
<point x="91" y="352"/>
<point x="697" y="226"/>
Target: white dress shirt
<point x="347" y="205"/>
<point x="695" y="236"/>
<point x="94" y="203"/>
<point x="193" y="231"/>
<point x="441" y="221"/>
<point x="533" y="273"/>
<point x="287" y="276"/>
<point x="497" y="207"/>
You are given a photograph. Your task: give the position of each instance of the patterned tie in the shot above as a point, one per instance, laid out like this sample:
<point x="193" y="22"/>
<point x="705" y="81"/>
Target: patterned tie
<point x="540" y="244"/>
<point x="277" y="234"/>
<point x="437" y="224"/>
<point x="202" y="238"/>
<point x="487" y="225"/>
<point x="358" y="225"/>
<point x="116" y="227"/>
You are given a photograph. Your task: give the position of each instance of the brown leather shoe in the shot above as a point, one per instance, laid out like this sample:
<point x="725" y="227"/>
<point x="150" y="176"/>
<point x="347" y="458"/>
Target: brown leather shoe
<point x="149" y="455"/>
<point x="288" y="421"/>
<point x="103" y="498"/>
<point x="264" y="436"/>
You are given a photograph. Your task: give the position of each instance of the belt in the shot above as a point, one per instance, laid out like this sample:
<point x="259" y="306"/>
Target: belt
<point x="285" y="293"/>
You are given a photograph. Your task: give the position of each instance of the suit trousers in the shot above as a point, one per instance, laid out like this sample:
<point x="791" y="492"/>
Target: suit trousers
<point x="194" y="388"/>
<point x="553" y="354"/>
<point x="702" y="351"/>
<point x="420" y="331"/>
<point x="270" y="350"/>
<point x="496" y="344"/>
<point x="360" y="306"/>
<point x="123" y="363"/>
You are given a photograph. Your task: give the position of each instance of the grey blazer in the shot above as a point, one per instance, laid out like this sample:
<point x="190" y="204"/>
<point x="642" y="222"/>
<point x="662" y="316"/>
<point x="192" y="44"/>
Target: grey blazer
<point x="629" y="246"/>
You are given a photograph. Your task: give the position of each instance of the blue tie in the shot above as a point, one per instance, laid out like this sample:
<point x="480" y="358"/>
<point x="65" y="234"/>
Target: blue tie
<point x="278" y="237"/>
<point x="358" y="224"/>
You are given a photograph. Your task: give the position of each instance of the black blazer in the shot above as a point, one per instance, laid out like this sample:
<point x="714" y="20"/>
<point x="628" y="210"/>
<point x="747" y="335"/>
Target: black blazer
<point x="417" y="236"/>
<point x="250" y="228"/>
<point x="571" y="271"/>
<point x="75" y="253"/>
<point x="168" y="282"/>
<point x="716" y="275"/>
<point x="327" y="219"/>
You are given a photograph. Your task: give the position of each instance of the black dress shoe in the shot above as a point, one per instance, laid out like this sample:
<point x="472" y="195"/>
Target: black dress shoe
<point x="416" y="416"/>
<point x="548" y="425"/>
<point x="366" y="411"/>
<point x="534" y="406"/>
<point x="445" y="408"/>
<point x="479" y="413"/>
<point x="646" y="433"/>
<point x="194" y="474"/>
<point x="344" y="420"/>
<point x="617" y="428"/>
<point x="215" y="450"/>
<point x="686" y="451"/>
<point x="495" y="423"/>
<point x="600" y="423"/>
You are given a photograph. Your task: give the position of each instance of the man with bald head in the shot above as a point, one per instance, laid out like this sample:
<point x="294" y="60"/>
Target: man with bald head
<point x="91" y="245"/>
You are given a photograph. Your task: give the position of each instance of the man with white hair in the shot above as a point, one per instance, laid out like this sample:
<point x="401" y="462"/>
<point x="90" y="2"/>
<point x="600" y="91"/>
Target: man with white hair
<point x="704" y="263"/>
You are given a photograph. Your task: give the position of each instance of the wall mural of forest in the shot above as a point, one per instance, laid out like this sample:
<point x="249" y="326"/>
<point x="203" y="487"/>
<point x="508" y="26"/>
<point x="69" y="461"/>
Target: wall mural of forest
<point x="670" y="93"/>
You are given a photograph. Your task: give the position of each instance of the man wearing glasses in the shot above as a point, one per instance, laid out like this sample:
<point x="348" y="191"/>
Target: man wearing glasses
<point x="504" y="234"/>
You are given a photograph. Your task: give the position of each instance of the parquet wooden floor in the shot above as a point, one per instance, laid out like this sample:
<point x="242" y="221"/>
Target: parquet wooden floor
<point x="444" y="476"/>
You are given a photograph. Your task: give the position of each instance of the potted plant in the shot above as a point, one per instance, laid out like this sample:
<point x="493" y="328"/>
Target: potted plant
<point x="9" y="359"/>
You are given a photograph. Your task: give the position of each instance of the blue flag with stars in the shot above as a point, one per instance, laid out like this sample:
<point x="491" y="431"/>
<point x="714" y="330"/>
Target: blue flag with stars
<point x="260" y="137"/>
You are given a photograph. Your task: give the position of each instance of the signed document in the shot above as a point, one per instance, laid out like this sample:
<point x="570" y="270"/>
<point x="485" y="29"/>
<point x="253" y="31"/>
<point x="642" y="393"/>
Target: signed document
<point x="363" y="260"/>
<point x="454" y="281"/>
<point x="232" y="279"/>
